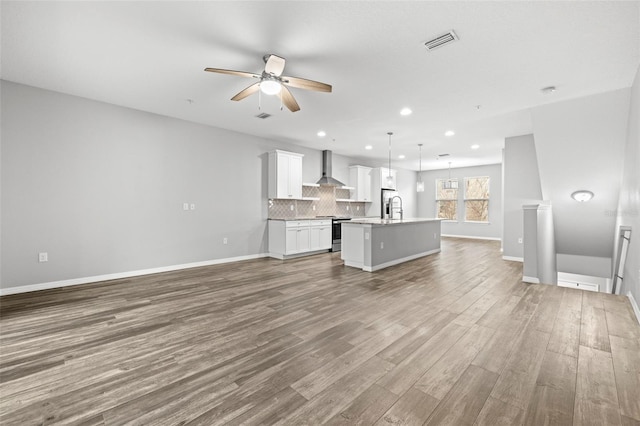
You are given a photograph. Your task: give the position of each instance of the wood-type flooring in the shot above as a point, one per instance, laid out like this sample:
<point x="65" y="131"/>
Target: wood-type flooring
<point x="455" y="338"/>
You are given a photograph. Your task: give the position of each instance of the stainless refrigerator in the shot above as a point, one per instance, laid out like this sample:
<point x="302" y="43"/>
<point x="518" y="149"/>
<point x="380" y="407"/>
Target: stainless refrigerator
<point x="386" y="207"/>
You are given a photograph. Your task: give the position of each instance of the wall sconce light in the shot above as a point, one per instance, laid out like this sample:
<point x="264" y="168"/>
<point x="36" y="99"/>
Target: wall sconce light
<point x="582" y="196"/>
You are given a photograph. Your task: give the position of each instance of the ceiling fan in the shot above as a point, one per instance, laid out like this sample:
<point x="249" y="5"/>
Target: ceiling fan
<point x="272" y="82"/>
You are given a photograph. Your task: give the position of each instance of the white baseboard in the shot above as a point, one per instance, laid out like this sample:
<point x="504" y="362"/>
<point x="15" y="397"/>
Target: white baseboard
<point x="513" y="259"/>
<point x="281" y="256"/>
<point x="634" y="305"/>
<point x="119" y="275"/>
<point x="532" y="280"/>
<point x="398" y="261"/>
<point x="471" y="237"/>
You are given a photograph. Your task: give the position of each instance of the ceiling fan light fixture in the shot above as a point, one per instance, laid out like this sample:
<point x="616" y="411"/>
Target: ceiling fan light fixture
<point x="270" y="87"/>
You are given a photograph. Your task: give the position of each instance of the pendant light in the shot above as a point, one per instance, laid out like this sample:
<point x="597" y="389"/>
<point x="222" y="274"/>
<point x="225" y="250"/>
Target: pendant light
<point x="420" y="183"/>
<point x="389" y="177"/>
<point x="449" y="183"/>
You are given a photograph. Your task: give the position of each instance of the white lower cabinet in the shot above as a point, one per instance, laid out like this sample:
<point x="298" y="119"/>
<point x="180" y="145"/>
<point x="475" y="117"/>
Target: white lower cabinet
<point x="297" y="240"/>
<point x="294" y="237"/>
<point x="320" y="235"/>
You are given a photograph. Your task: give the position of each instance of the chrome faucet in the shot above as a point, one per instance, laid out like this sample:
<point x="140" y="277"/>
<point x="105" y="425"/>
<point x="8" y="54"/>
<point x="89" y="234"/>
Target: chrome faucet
<point x="391" y="207"/>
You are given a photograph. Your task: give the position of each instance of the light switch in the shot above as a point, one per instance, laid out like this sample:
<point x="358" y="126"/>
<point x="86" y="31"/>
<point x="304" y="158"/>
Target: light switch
<point x="43" y="257"/>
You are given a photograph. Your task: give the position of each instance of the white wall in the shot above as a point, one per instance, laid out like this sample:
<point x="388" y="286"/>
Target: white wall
<point x="628" y="211"/>
<point x="100" y="188"/>
<point x="427" y="204"/>
<point x="521" y="187"/>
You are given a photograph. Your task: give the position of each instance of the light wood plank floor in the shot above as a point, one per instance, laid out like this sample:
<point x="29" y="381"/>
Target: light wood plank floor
<point x="455" y="338"/>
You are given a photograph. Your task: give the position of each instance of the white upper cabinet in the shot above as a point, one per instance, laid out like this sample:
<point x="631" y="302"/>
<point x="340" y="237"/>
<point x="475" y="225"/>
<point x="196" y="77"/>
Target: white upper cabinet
<point x="285" y="174"/>
<point x="360" y="179"/>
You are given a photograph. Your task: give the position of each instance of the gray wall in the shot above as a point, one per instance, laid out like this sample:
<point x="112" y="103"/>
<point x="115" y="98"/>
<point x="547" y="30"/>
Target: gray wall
<point x="521" y="186"/>
<point x="580" y="145"/>
<point x="401" y="241"/>
<point x="628" y="212"/>
<point x="427" y="204"/>
<point x="100" y="188"/>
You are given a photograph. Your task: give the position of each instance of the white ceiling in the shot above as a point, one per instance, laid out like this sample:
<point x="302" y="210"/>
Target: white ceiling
<point x="151" y="55"/>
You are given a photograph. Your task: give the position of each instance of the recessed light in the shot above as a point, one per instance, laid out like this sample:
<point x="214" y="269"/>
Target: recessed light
<point x="322" y="134"/>
<point x="368" y="147"/>
<point x="405" y="111"/>
<point x="401" y="156"/>
<point x="475" y="146"/>
<point x="449" y="133"/>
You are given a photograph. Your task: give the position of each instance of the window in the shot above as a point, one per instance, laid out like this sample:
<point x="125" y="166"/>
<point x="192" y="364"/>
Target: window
<point x="447" y="199"/>
<point x="476" y="199"/>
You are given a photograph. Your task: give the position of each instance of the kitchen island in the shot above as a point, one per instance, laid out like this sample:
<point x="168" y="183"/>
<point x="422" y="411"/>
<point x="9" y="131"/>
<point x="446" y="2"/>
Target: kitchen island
<point x="373" y="243"/>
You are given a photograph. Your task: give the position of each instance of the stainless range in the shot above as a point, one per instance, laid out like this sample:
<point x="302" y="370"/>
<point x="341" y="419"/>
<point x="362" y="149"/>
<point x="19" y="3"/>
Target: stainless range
<point x="336" y="231"/>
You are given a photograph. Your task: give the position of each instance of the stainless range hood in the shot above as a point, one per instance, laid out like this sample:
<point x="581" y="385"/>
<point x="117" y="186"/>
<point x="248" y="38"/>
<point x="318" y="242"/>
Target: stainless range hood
<point x="326" y="178"/>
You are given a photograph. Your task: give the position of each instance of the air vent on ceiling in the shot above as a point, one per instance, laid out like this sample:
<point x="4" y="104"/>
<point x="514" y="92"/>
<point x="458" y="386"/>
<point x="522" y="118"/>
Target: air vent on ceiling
<point x="443" y="155"/>
<point x="441" y="40"/>
<point x="263" y="115"/>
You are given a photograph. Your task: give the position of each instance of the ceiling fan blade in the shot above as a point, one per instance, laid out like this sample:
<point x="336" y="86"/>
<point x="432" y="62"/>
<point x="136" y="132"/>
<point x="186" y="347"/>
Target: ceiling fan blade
<point x="274" y="65"/>
<point x="303" y="83"/>
<point x="288" y="100"/>
<point x="246" y="92"/>
<point x="232" y="72"/>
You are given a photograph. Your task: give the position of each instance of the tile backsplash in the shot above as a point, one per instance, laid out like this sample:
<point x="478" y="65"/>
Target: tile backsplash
<point x="325" y="205"/>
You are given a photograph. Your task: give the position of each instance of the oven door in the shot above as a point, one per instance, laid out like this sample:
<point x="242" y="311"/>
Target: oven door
<point x="336" y="232"/>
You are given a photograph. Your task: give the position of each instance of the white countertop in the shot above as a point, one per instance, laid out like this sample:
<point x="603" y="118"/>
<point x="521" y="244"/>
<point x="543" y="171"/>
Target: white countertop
<point x="308" y="218"/>
<point x="379" y="221"/>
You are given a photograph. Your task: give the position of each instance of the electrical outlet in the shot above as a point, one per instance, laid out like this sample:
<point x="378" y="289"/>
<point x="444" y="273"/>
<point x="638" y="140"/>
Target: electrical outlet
<point x="366" y="235"/>
<point x="381" y="245"/>
<point x="291" y="207"/>
<point x="225" y="240"/>
<point x="520" y="240"/>
<point x="185" y="206"/>
<point x="193" y="206"/>
<point x="347" y="208"/>
<point x="357" y="208"/>
<point x="313" y="207"/>
<point x="43" y="257"/>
